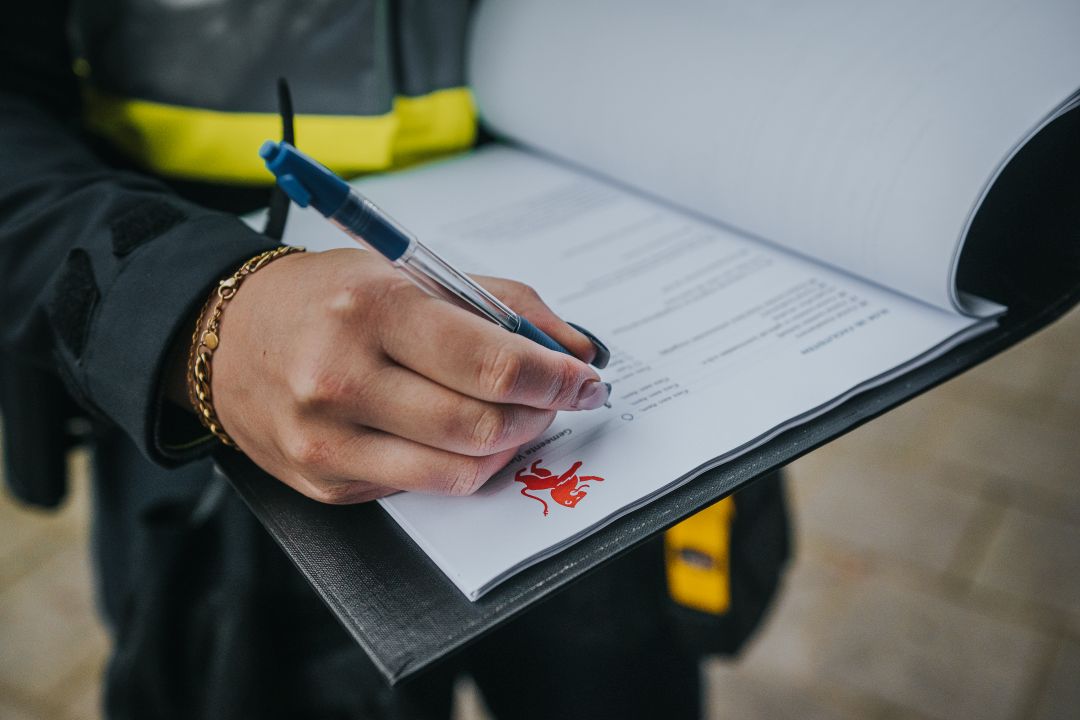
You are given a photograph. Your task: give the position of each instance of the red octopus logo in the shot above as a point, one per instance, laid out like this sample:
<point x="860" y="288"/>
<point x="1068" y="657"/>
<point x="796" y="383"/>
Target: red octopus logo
<point x="567" y="489"/>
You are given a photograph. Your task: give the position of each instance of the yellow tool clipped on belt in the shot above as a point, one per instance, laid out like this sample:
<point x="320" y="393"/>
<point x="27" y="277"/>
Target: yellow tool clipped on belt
<point x="698" y="559"/>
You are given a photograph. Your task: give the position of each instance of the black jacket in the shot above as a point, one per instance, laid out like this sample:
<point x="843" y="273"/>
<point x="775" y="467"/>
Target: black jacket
<point x="101" y="267"/>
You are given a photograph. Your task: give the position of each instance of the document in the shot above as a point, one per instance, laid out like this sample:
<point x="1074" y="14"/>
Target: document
<point x="761" y="208"/>
<point x="718" y="341"/>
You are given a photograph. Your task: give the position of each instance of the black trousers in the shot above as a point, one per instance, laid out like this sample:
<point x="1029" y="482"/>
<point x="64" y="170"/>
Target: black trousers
<point x="211" y="620"/>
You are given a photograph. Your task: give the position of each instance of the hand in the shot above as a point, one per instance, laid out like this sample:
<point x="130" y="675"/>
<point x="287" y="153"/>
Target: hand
<point x="341" y="378"/>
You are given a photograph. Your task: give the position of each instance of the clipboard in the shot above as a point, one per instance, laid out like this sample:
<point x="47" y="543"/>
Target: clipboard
<point x="1023" y="251"/>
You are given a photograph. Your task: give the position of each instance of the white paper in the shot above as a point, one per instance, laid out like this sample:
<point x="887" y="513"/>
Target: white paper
<point x="718" y="341"/>
<point x="863" y="134"/>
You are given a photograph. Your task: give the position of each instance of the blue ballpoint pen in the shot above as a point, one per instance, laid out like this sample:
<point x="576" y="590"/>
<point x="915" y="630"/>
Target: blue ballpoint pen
<point x="309" y="183"/>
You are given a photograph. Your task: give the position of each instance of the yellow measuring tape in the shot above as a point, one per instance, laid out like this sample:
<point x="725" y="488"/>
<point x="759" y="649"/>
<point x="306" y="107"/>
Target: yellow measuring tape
<point x="698" y="559"/>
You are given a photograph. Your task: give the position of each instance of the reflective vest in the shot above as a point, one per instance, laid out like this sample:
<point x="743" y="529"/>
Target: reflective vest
<point x="187" y="88"/>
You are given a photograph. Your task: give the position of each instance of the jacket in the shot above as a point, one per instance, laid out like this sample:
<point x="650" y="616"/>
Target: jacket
<point x="129" y="134"/>
<point x="130" y="131"/>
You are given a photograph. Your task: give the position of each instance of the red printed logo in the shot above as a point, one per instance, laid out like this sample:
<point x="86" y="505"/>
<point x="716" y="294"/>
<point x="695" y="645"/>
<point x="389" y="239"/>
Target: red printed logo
<point x="567" y="489"/>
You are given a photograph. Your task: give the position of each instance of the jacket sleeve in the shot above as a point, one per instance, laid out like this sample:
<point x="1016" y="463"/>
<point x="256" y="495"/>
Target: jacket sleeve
<point x="100" y="268"/>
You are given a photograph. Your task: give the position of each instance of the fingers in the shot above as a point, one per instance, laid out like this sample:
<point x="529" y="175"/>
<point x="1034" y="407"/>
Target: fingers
<point x="304" y="381"/>
<point x="401" y="402"/>
<point x="477" y="358"/>
<point x="340" y="466"/>
<point x="525" y="300"/>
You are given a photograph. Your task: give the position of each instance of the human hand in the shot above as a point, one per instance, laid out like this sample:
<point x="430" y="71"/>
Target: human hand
<point x="342" y="379"/>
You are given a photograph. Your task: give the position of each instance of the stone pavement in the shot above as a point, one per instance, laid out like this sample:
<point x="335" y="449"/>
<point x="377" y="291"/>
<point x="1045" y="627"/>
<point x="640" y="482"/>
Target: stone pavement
<point x="937" y="571"/>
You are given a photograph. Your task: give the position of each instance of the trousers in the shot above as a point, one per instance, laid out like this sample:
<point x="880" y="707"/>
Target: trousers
<point x="210" y="620"/>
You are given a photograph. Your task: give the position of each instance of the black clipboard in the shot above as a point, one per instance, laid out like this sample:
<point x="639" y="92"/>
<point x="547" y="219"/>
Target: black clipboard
<point x="1023" y="250"/>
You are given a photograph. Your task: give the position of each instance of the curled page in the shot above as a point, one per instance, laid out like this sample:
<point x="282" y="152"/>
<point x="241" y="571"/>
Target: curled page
<point x="864" y="135"/>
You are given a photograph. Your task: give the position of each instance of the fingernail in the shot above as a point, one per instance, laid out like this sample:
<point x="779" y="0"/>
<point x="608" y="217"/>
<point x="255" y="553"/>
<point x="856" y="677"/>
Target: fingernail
<point x="603" y="355"/>
<point x="593" y="394"/>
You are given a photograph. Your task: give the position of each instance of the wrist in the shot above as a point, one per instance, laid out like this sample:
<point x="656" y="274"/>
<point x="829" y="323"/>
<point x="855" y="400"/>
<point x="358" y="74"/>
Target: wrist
<point x="207" y="337"/>
<point x="175" y="379"/>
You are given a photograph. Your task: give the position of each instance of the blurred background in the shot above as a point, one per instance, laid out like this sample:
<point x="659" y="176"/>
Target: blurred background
<point x="937" y="570"/>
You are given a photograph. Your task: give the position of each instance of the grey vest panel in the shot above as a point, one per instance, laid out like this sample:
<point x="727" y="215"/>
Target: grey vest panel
<point x="341" y="57"/>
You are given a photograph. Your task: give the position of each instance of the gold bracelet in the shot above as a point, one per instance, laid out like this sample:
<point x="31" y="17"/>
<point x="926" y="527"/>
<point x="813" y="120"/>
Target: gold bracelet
<point x="205" y="341"/>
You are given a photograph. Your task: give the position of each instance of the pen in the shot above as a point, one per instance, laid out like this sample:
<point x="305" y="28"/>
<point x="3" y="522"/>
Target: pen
<point x="309" y="183"/>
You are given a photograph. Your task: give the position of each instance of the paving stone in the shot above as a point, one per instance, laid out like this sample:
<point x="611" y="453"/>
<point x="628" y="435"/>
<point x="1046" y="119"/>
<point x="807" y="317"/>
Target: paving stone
<point x="1061" y="696"/>
<point x="1070" y="320"/>
<point x="36" y="538"/>
<point x="9" y="711"/>
<point x="732" y="693"/>
<point x="1034" y="559"/>
<point x="1030" y="371"/>
<point x="938" y="658"/>
<point x="918" y="426"/>
<point x="805" y="477"/>
<point x="47" y="621"/>
<point x="83" y="693"/>
<point x="914" y="430"/>
<point x="1068" y="395"/>
<point x="32" y="535"/>
<point x="468" y="702"/>
<point x="811" y="604"/>
<point x="889" y="508"/>
<point x="1023" y="454"/>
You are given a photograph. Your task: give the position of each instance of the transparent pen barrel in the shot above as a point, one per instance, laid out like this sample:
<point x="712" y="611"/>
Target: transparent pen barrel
<point x="435" y="275"/>
<point x="364" y="222"/>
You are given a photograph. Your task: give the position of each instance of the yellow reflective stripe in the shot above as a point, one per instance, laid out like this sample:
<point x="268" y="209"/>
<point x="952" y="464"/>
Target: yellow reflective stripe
<point x="198" y="144"/>
<point x="698" y="559"/>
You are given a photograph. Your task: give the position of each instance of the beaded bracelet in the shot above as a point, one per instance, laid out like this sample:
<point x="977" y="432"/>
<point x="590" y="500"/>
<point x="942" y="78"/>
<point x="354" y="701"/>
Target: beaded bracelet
<point x="204" y="341"/>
